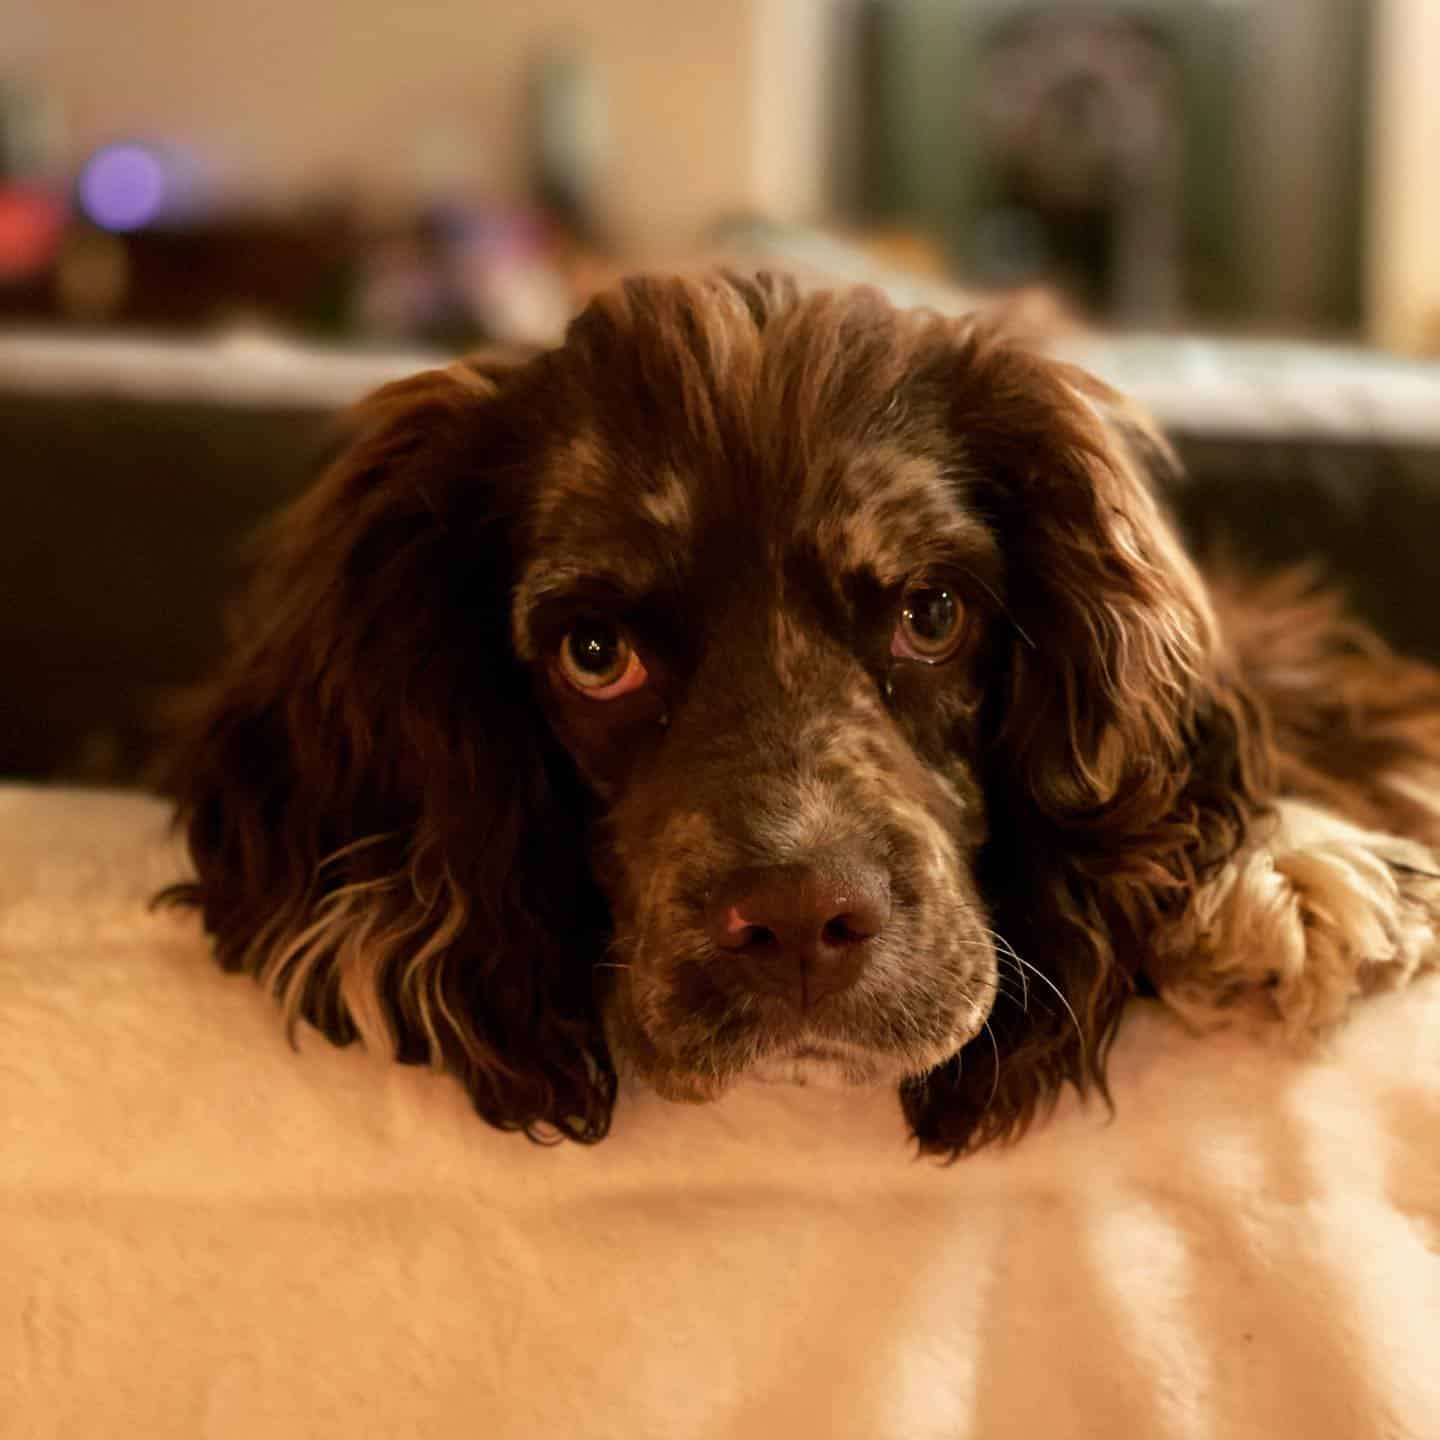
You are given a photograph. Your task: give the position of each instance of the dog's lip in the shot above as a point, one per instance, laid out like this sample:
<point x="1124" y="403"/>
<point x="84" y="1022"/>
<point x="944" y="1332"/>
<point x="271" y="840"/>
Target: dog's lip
<point x="824" y="1051"/>
<point x="816" y="1050"/>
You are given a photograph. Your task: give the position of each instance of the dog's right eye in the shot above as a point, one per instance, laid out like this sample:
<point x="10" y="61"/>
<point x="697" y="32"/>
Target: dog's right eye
<point x="596" y="658"/>
<point x="932" y="624"/>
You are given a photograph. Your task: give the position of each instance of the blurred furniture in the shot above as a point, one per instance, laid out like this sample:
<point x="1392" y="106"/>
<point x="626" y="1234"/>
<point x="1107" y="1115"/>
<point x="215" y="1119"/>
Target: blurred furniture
<point x="454" y="276"/>
<point x="132" y="471"/>
<point x="1192" y="161"/>
<point x="300" y="270"/>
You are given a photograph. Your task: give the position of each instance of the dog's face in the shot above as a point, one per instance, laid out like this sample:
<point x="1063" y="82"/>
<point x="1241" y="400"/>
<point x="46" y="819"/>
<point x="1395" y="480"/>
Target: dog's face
<point x="763" y="659"/>
<point x="739" y="690"/>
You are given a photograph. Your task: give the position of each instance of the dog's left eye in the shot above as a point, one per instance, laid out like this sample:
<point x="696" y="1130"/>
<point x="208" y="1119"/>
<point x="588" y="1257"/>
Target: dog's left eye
<point x="599" y="661"/>
<point x="932" y="623"/>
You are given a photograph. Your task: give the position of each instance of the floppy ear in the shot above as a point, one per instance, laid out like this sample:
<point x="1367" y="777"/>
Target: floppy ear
<point x="383" y="832"/>
<point x="1121" y="757"/>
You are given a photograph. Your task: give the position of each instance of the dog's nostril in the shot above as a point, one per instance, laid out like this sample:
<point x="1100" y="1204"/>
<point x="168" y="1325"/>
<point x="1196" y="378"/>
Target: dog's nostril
<point x="842" y="930"/>
<point x="755" y="937"/>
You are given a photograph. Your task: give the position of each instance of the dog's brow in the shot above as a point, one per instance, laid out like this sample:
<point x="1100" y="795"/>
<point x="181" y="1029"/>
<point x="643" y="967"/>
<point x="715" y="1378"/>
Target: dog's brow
<point x="554" y="579"/>
<point x="901" y="514"/>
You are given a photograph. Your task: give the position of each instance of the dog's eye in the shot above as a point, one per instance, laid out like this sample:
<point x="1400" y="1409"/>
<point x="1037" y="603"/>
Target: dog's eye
<point x="597" y="659"/>
<point x="932" y="622"/>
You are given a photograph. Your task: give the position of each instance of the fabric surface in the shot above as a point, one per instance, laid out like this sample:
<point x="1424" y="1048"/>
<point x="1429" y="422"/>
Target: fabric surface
<point x="205" y="1234"/>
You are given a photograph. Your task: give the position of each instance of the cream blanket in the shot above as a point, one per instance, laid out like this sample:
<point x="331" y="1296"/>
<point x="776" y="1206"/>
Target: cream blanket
<point x="204" y="1234"/>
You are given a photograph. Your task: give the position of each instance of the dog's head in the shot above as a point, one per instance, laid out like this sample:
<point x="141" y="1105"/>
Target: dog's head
<point x="757" y="683"/>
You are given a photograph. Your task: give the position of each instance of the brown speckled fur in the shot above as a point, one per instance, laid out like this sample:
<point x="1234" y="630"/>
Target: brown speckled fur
<point x="410" y="830"/>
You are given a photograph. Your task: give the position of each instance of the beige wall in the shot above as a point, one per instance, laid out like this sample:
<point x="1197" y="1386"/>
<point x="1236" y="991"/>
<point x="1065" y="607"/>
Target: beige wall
<point x="1295" y="53"/>
<point x="794" y="46"/>
<point x="290" y="95"/>
<point x="1404" y="278"/>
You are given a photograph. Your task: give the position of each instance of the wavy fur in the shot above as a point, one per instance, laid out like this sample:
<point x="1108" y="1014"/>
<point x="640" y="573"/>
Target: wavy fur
<point x="409" y="837"/>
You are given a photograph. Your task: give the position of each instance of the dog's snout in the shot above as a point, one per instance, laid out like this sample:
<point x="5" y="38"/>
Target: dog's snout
<point x="801" y="931"/>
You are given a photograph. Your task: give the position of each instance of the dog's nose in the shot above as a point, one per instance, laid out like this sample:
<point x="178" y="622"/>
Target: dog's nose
<point x="801" y="931"/>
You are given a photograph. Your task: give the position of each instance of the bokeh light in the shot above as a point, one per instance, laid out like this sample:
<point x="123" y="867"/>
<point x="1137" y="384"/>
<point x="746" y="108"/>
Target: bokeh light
<point x="123" y="187"/>
<point x="31" y="222"/>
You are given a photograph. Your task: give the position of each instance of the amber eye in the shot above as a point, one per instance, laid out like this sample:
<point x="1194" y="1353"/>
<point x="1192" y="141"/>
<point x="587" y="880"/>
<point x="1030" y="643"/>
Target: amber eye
<point x="932" y="621"/>
<point x="597" y="659"/>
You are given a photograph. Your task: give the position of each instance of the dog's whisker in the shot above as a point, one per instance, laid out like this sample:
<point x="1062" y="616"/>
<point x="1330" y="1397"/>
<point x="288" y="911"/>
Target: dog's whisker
<point x="1008" y="952"/>
<point x="1019" y="970"/>
<point x="1004" y="951"/>
<point x="1069" y="1009"/>
<point x="1006" y="992"/>
<point x="1003" y="609"/>
<point x="995" y="1081"/>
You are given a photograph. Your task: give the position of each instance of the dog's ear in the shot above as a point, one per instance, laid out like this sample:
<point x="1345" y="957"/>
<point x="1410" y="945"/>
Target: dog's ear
<point x="1121" y="760"/>
<point x="383" y="832"/>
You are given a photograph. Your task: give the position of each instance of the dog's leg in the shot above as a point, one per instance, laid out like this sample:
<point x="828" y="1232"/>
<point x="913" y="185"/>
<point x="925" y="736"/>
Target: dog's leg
<point x="1318" y="913"/>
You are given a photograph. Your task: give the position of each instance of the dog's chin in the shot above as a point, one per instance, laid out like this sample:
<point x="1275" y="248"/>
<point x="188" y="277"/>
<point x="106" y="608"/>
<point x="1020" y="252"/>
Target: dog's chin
<point x="820" y="1065"/>
<point x="819" y="1062"/>
<point x="826" y="1065"/>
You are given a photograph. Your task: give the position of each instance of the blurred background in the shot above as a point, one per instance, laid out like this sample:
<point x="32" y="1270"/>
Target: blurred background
<point x="458" y="169"/>
<point x="220" y="221"/>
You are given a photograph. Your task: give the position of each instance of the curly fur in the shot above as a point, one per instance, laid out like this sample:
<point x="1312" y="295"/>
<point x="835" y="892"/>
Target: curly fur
<point x="409" y="834"/>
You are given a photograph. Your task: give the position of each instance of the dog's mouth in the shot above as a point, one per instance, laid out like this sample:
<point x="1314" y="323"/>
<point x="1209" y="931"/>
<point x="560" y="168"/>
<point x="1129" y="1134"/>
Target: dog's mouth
<point x="686" y="1050"/>
<point x="863" y="963"/>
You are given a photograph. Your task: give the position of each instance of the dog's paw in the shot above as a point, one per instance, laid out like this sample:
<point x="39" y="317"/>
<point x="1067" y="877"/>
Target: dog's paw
<point x="1370" y="917"/>
<point x="1296" y="930"/>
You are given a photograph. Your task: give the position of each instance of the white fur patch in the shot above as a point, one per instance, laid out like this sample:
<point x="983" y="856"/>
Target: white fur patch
<point x="1319" y="914"/>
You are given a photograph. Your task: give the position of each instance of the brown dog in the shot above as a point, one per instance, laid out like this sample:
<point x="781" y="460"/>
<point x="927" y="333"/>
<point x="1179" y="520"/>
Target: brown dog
<point x="764" y="684"/>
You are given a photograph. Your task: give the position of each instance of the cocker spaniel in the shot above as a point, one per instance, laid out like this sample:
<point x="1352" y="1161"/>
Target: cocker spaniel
<point x="766" y="684"/>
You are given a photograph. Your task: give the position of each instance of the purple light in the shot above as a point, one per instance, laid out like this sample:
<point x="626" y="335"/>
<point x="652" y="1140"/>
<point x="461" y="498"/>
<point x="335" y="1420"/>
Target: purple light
<point x="122" y="187"/>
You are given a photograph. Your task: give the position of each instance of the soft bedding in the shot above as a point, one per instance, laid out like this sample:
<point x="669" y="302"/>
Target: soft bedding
<point x="206" y="1234"/>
